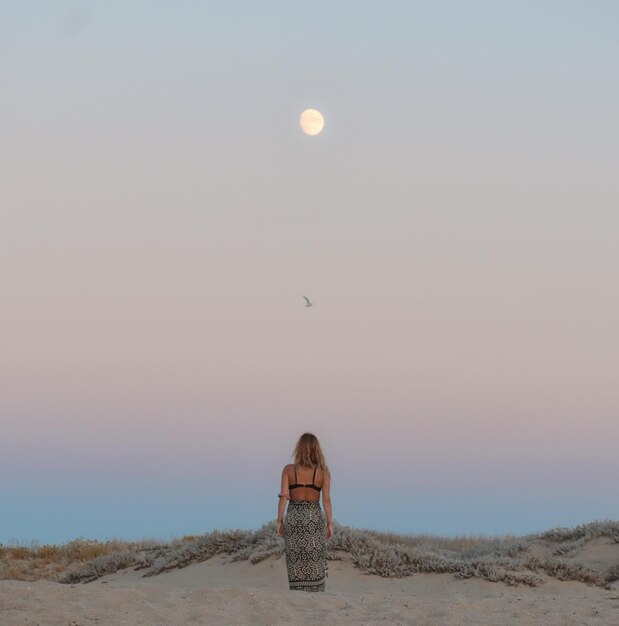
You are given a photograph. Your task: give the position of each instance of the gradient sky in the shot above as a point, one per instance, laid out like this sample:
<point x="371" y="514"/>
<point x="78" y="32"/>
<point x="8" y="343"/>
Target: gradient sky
<point x="456" y="224"/>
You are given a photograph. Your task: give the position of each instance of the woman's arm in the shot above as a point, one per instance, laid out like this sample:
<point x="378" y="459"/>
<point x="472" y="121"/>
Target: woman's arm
<point x="326" y="502"/>
<point x="283" y="498"/>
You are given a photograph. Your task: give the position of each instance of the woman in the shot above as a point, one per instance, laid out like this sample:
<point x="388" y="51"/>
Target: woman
<point x="304" y="529"/>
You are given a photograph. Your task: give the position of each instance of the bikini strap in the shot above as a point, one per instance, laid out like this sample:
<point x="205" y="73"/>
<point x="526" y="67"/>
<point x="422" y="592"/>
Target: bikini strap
<point x="296" y="480"/>
<point x="314" y="477"/>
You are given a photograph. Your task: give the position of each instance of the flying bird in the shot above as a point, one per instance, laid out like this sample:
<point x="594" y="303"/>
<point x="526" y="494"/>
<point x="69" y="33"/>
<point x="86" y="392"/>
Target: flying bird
<point x="307" y="302"/>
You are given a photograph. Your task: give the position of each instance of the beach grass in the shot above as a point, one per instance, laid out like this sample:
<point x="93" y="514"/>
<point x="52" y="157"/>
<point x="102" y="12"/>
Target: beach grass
<point x="560" y="553"/>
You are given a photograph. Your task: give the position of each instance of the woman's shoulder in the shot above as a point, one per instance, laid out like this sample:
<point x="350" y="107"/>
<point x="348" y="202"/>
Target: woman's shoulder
<point x="290" y="466"/>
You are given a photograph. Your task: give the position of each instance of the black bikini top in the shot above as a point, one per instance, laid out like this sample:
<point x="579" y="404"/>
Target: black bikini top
<point x="297" y="484"/>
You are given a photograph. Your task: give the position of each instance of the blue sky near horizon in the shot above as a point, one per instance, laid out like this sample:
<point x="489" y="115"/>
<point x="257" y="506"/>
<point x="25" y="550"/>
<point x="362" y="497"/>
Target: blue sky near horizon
<point x="456" y="225"/>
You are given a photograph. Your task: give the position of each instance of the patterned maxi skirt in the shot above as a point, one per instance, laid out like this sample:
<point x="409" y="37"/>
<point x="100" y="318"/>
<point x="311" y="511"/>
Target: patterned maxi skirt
<point x="306" y="546"/>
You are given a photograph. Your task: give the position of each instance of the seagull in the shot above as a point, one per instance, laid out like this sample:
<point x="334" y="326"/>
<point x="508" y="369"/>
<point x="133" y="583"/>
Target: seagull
<point x="307" y="302"/>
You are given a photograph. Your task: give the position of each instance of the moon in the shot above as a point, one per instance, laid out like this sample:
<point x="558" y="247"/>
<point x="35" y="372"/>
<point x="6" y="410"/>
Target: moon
<point x="312" y="122"/>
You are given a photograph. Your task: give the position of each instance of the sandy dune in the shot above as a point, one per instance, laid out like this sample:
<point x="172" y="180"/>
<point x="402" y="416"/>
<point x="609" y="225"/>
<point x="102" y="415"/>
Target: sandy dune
<point x="215" y="592"/>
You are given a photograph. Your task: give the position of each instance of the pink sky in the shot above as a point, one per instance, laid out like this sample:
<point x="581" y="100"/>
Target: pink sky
<point x="161" y="216"/>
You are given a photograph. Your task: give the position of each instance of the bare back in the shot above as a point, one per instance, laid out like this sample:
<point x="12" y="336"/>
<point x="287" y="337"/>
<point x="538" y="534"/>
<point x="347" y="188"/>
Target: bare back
<point x="304" y="483"/>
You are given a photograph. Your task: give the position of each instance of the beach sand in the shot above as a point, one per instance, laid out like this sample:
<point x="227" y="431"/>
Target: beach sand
<point x="219" y="592"/>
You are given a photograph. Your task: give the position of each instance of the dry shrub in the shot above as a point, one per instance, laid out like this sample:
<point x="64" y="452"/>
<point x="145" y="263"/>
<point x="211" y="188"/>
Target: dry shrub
<point x="491" y="559"/>
<point x="17" y="552"/>
<point x="99" y="566"/>
<point x="564" y="570"/>
<point x="592" y="530"/>
<point x="34" y="562"/>
<point x="48" y="553"/>
<point x="87" y="549"/>
<point x="507" y="559"/>
<point x="569" y="546"/>
<point x="370" y="551"/>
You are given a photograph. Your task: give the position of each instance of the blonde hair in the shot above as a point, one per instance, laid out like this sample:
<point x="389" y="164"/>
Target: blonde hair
<point x="308" y="453"/>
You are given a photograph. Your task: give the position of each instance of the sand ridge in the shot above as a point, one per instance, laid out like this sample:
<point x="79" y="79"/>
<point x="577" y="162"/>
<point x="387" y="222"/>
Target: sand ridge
<point x="220" y="592"/>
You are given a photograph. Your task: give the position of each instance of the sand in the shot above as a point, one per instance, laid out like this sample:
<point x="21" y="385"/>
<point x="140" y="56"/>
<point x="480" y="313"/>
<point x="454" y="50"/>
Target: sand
<point x="216" y="592"/>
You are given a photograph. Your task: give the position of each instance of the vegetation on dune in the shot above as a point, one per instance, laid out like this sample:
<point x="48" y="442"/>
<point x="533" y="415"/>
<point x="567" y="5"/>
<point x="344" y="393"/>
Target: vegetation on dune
<point x="582" y="532"/>
<point x="508" y="559"/>
<point x="35" y="562"/>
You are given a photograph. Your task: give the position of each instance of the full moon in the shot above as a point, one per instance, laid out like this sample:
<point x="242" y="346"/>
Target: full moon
<point x="312" y="122"/>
